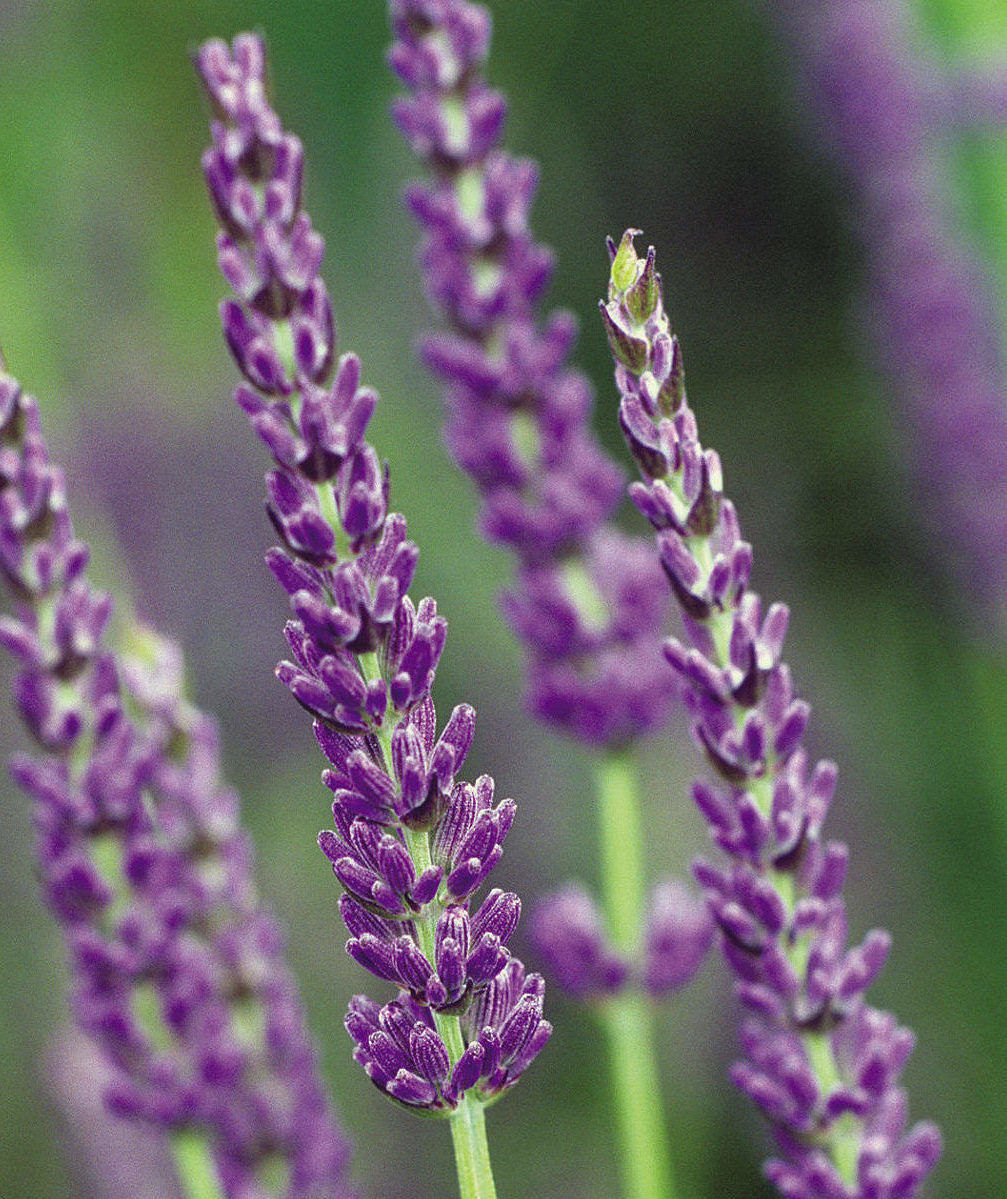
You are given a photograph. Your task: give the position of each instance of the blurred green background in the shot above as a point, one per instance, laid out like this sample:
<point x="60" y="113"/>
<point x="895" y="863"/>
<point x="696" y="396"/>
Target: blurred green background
<point x="684" y="120"/>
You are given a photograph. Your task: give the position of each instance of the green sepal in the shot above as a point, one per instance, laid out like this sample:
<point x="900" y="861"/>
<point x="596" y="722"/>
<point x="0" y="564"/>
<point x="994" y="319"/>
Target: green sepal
<point x="643" y="297"/>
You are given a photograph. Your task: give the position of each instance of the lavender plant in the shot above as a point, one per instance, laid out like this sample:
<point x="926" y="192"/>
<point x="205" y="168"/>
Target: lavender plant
<point x="411" y="845"/>
<point x="588" y="603"/>
<point x="819" y="1061"/>
<point x="179" y="973"/>
<point x="178" y="970"/>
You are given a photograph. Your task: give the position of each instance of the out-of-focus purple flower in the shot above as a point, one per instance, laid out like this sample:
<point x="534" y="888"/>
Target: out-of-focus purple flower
<point x="678" y="934"/>
<point x="107" y="1158"/>
<point x="411" y="844"/>
<point x="587" y="604"/>
<point x="888" y="109"/>
<point x="819" y="1061"/>
<point x="178" y="969"/>
<point x="569" y="934"/>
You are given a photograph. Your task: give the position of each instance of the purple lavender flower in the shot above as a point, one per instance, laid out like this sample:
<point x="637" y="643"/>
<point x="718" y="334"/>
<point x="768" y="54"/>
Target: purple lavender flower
<point x="108" y="1158"/>
<point x="888" y="109"/>
<point x="678" y="934"/>
<point x="819" y="1061"/>
<point x="411" y="846"/>
<point x="402" y="1051"/>
<point x="587" y="605"/>
<point x="178" y="969"/>
<point x="569" y="934"/>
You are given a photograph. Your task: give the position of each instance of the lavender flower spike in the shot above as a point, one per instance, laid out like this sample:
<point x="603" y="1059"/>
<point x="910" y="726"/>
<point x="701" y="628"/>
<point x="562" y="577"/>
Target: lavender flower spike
<point x="178" y="969"/>
<point x="588" y="605"/>
<point x="411" y="845"/>
<point x="821" y="1064"/>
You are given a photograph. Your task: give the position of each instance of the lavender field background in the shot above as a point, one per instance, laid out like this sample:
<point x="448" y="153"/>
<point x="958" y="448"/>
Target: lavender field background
<point x="693" y="126"/>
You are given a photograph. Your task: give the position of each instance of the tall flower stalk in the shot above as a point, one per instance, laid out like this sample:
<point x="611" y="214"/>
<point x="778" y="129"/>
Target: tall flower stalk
<point x="821" y="1064"/>
<point x="588" y="604"/>
<point x="411" y="845"/>
<point x="178" y="970"/>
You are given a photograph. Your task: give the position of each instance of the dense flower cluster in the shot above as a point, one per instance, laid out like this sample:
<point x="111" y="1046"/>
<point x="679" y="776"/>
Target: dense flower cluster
<point x="889" y="109"/>
<point x="410" y="844"/>
<point x="820" y="1062"/>
<point x="399" y="1046"/>
<point x="588" y="604"/>
<point x="178" y="970"/>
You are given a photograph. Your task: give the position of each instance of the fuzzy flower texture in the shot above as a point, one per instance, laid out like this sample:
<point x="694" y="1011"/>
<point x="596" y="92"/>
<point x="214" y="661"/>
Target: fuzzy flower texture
<point x="889" y="107"/>
<point x="588" y="603"/>
<point x="411" y="844"/>
<point x="178" y="970"/>
<point x="819" y="1061"/>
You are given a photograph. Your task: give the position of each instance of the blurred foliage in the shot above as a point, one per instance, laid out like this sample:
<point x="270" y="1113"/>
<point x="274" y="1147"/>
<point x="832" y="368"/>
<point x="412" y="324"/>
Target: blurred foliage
<point x="686" y="123"/>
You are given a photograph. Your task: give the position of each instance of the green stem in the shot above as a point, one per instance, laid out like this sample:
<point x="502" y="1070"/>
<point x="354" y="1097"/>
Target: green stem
<point x="195" y="1166"/>
<point x="622" y="866"/>
<point x="628" y="1019"/>
<point x="472" y="1155"/>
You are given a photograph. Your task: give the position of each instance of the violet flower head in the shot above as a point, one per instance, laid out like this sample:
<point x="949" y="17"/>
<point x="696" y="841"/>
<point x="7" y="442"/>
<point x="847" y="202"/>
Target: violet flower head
<point x="890" y="110"/>
<point x="819" y="1061"/>
<point x="411" y="844"/>
<point x="587" y="605"/>
<point x="569" y="934"/>
<point x="178" y="970"/>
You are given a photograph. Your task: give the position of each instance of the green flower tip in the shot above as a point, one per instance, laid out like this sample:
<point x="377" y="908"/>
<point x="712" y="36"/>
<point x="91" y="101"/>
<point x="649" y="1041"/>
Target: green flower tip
<point x="633" y="282"/>
<point x="634" y="296"/>
<point x="625" y="265"/>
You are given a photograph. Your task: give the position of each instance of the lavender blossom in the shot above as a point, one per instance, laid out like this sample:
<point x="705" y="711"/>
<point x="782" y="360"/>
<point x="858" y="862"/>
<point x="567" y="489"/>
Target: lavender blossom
<point x="587" y="605"/>
<point x="569" y="934"/>
<point x="821" y="1064"/>
<point x="411" y="845"/>
<point x="403" y="1053"/>
<point x="890" y="109"/>
<point x="178" y="969"/>
<point x="107" y="1157"/>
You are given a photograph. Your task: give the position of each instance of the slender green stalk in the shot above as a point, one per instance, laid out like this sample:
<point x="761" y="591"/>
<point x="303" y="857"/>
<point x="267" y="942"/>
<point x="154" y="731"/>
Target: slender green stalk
<point x="472" y="1155"/>
<point x="621" y="837"/>
<point x="195" y="1166"/>
<point x="628" y="1019"/>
